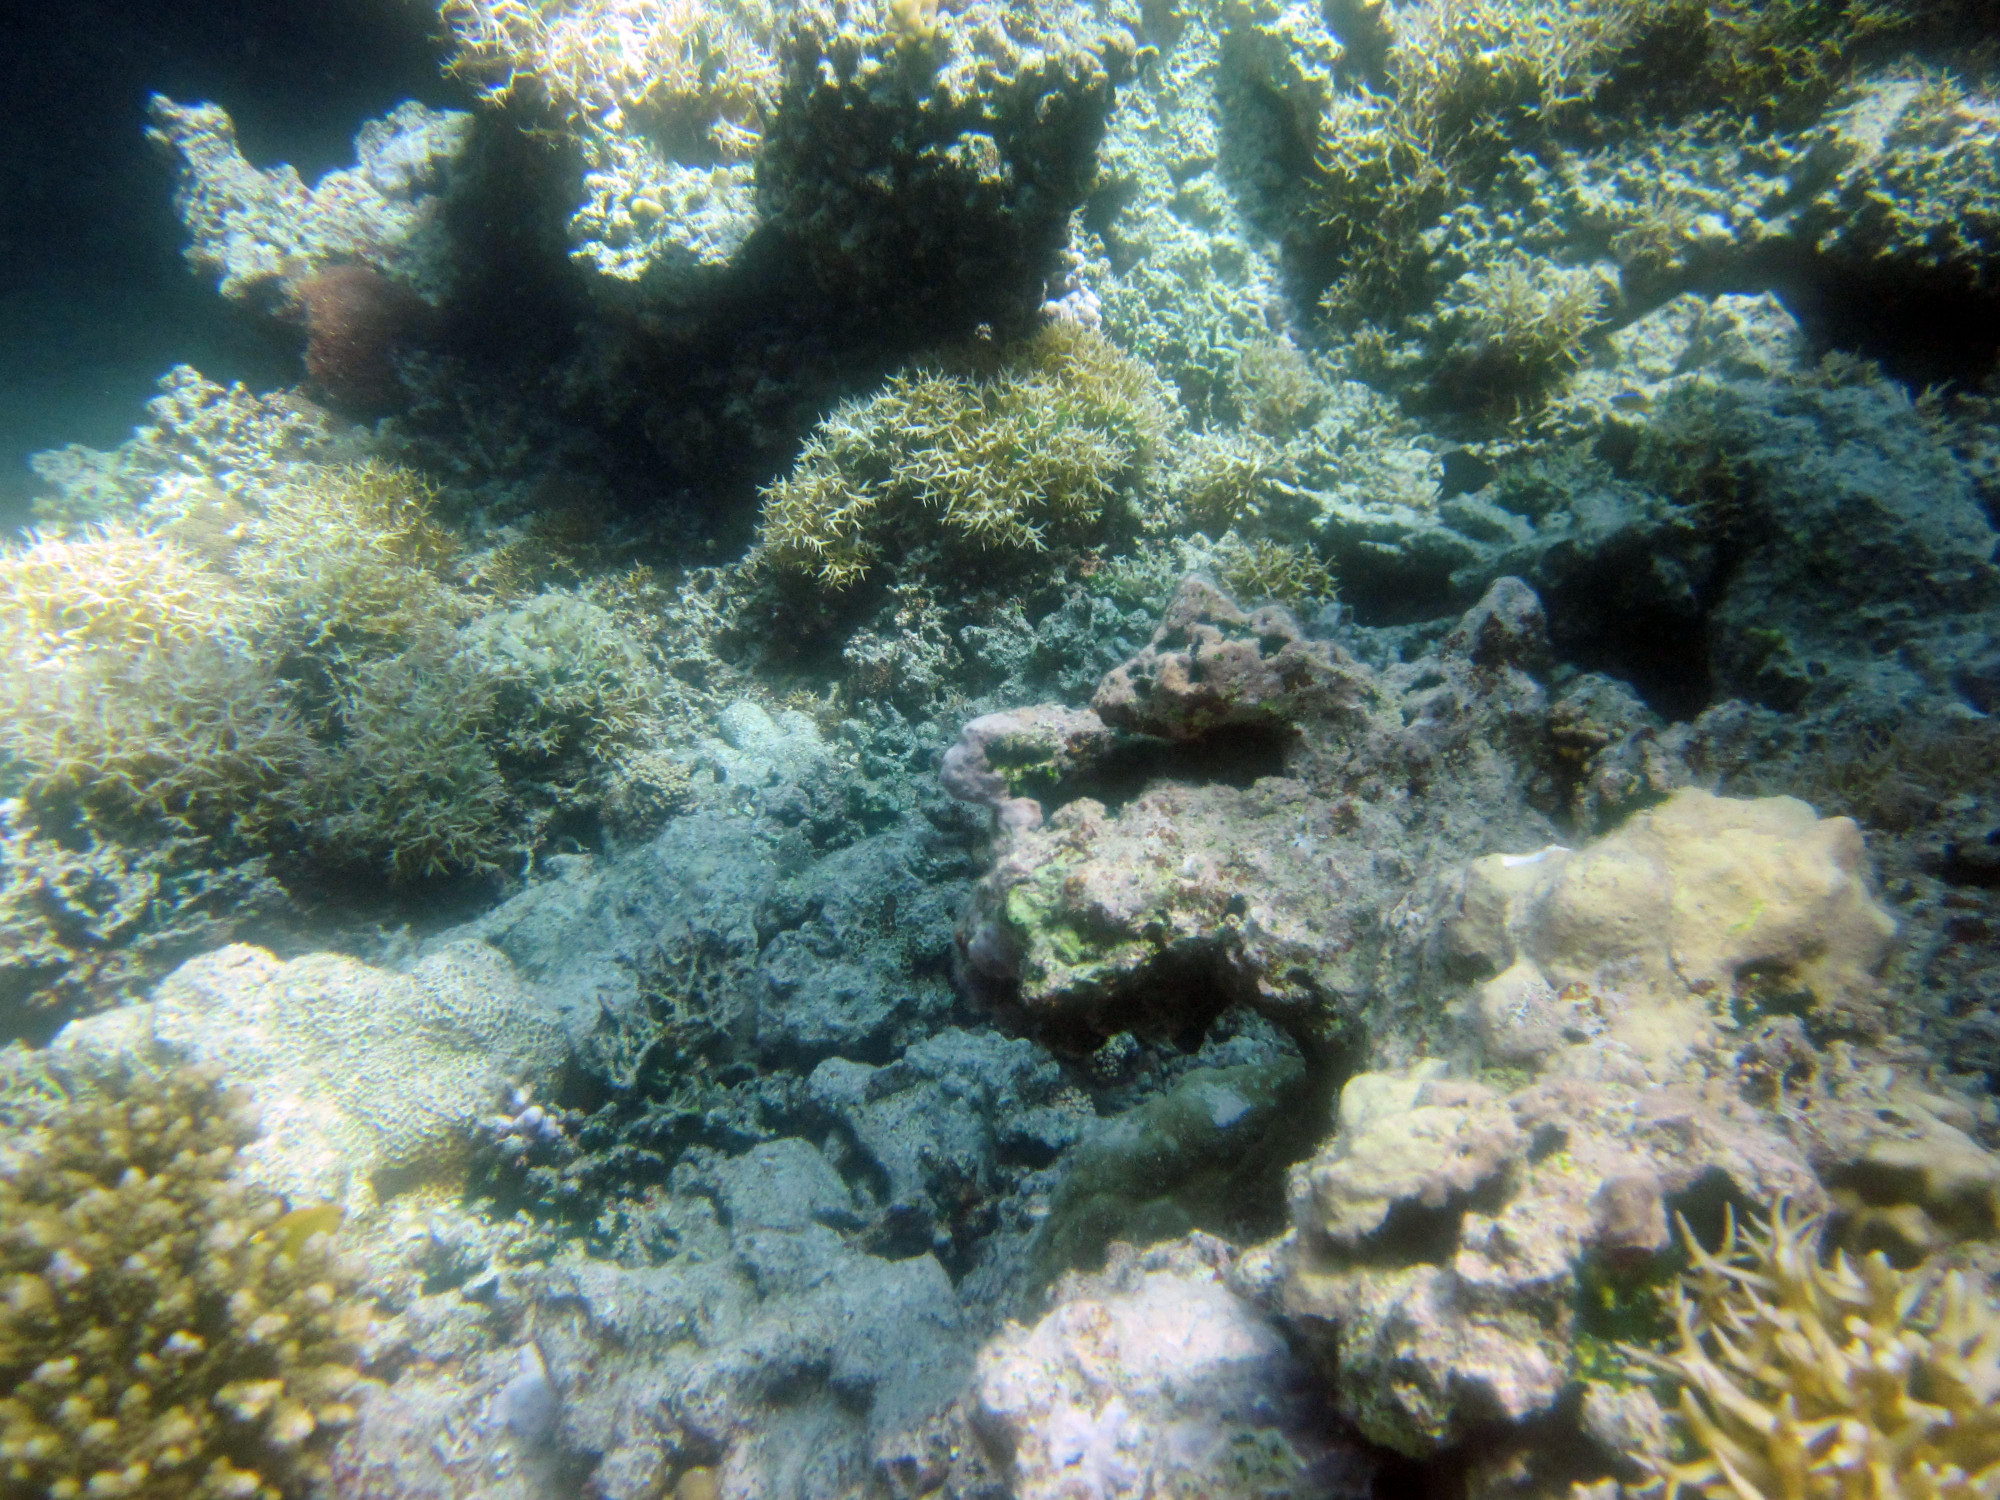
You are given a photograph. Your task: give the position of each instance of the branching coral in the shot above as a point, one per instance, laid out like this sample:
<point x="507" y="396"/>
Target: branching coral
<point x="1835" y="1379"/>
<point x="1465" y="81"/>
<point x="996" y="463"/>
<point x="166" y="1329"/>
<point x="126" y="675"/>
<point x="412" y="783"/>
<point x="304" y="660"/>
<point x="692" y="67"/>
<point x="350" y="552"/>
<point x="1260" y="570"/>
<point x="1511" y="327"/>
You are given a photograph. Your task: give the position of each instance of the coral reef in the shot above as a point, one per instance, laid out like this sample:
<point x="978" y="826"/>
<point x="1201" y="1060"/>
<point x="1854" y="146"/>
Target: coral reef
<point x="1699" y="901"/>
<point x="252" y="228"/>
<point x="667" y="100"/>
<point x="1155" y="1378"/>
<point x="365" y="1080"/>
<point x="168" y="1329"/>
<point x="1044" y="448"/>
<point x="303" y="657"/>
<point x="204" y="442"/>
<point x="930" y="177"/>
<point x="1801" y="1374"/>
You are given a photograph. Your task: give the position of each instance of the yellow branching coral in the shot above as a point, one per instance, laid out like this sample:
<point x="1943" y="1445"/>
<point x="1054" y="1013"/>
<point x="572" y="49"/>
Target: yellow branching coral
<point x="998" y="462"/>
<point x="1815" y="1379"/>
<point x="110" y="586"/>
<point x="166" y="1330"/>
<point x="125" y="673"/>
<point x="350" y="551"/>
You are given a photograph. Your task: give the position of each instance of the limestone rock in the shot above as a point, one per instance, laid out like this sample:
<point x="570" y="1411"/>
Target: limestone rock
<point x="1214" y="665"/>
<point x="1442" y="1236"/>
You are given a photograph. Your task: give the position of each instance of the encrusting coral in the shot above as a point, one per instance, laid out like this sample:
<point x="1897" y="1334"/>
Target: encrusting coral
<point x="996" y="463"/>
<point x="166" y="1329"/>
<point x="1813" y="1378"/>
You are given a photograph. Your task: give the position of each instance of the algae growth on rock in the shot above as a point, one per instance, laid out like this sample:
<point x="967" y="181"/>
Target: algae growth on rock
<point x="1009" y="750"/>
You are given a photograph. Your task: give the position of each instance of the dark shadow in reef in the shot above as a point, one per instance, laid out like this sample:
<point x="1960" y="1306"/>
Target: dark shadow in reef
<point x="99" y="301"/>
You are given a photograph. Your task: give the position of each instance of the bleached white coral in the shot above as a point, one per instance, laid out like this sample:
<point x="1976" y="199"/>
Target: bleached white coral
<point x="248" y="225"/>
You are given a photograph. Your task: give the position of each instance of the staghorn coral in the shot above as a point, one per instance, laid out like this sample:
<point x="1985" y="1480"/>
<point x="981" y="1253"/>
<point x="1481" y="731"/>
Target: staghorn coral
<point x="999" y="462"/>
<point x="166" y="1330"/>
<point x="301" y="670"/>
<point x="127" y="676"/>
<point x="699" y="71"/>
<point x="1466" y="81"/>
<point x="350" y="552"/>
<point x="204" y="444"/>
<point x="1262" y="570"/>
<point x="1808" y="1377"/>
<point x="411" y="783"/>
<point x="1514" y="325"/>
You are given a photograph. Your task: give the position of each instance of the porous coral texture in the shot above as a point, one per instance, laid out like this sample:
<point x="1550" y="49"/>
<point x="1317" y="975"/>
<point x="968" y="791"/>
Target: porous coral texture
<point x="1444" y="1236"/>
<point x="1154" y="1378"/>
<point x="1214" y="665"/>
<point x="366" y="1080"/>
<point x="252" y="227"/>
<point x="1687" y="906"/>
<point x="166" y="1330"/>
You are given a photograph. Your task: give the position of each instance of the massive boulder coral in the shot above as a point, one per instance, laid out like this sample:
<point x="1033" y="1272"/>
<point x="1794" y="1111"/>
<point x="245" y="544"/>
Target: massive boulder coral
<point x="1154" y="1377"/>
<point x="1444" y="1237"/>
<point x="366" y="1080"/>
<point x="1697" y="904"/>
<point x="1629" y="1034"/>
<point x="1213" y="665"/>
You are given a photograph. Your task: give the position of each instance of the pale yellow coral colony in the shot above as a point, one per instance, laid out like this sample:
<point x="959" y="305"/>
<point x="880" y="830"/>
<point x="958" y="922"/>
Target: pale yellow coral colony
<point x="1839" y="1378"/>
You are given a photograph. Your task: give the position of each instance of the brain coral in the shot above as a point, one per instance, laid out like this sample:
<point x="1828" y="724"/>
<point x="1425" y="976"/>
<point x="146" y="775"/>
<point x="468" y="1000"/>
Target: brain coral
<point x="365" y="1079"/>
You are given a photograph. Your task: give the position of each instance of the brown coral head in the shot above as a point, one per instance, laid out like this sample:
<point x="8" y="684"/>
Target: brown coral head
<point x="356" y="321"/>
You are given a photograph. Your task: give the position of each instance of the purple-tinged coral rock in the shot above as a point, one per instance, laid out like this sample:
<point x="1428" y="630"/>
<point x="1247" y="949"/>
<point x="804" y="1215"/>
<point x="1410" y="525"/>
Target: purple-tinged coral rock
<point x="996" y="752"/>
<point x="1214" y="665"/>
